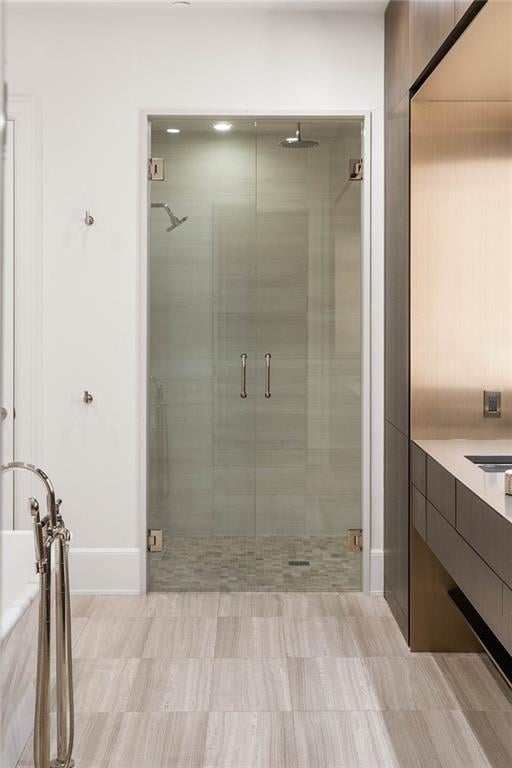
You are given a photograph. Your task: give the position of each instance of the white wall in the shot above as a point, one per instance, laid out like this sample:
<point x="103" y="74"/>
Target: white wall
<point x="92" y="70"/>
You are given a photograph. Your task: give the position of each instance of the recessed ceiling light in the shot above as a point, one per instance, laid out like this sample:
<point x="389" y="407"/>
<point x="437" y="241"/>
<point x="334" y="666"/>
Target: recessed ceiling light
<point x="223" y="126"/>
<point x="173" y="130"/>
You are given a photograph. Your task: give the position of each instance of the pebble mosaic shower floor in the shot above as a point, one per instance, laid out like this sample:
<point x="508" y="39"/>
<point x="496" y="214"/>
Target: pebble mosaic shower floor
<point x="254" y="564"/>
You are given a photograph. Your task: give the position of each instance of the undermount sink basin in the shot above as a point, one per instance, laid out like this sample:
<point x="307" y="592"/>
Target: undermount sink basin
<point x="492" y="463"/>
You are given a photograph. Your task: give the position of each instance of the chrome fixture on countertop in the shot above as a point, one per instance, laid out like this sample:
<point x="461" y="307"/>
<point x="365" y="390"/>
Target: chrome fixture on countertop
<point x="49" y="530"/>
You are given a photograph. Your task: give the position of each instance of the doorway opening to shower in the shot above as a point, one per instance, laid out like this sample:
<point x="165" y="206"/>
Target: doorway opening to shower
<point x="254" y="373"/>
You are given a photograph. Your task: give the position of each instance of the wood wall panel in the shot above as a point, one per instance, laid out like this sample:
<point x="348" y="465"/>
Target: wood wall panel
<point x="396" y="53"/>
<point x="461" y="271"/>
<point x="396" y="526"/>
<point x="461" y="6"/>
<point x="397" y="267"/>
<point x="414" y="31"/>
<point x="430" y="23"/>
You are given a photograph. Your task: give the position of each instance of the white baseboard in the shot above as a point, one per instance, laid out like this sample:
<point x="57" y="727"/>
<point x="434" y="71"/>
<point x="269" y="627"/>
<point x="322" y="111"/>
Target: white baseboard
<point x="102" y="571"/>
<point x="377" y="572"/>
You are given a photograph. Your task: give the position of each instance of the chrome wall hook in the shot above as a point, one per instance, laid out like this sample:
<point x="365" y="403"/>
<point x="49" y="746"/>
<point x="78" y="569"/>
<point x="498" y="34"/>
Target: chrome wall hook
<point x="88" y="219"/>
<point x="87" y="398"/>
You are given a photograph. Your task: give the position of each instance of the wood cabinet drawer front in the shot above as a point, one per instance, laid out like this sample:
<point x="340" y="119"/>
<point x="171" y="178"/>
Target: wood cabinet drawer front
<point x="487" y="532"/>
<point x="506" y="635"/>
<point x="419" y="512"/>
<point x="419" y="468"/>
<point x="441" y="490"/>
<point x="478" y="582"/>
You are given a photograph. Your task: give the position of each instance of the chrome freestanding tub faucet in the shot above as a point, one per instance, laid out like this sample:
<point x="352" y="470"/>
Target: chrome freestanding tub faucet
<point x="48" y="531"/>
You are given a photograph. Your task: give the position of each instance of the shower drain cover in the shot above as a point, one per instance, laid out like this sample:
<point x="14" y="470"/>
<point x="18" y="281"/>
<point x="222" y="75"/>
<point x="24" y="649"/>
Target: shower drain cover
<point x="299" y="562"/>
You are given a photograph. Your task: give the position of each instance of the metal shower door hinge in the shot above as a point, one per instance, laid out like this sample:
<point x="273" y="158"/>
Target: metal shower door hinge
<point x="154" y="540"/>
<point x="355" y="540"/>
<point x="355" y="169"/>
<point x="156" y="169"/>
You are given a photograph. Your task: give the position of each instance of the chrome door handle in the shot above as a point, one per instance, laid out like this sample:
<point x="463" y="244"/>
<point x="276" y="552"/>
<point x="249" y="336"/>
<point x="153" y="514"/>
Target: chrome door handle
<point x="243" y="376"/>
<point x="4" y="413"/>
<point x="267" y="375"/>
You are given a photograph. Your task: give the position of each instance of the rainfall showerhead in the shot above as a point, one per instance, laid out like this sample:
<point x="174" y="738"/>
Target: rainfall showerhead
<point x="297" y="142"/>
<point x="175" y="222"/>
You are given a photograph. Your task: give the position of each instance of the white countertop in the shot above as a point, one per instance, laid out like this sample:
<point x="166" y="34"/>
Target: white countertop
<point x="489" y="486"/>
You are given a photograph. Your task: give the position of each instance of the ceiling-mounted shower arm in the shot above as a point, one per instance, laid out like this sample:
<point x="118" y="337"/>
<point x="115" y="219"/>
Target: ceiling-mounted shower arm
<point x="162" y="205"/>
<point x="175" y="221"/>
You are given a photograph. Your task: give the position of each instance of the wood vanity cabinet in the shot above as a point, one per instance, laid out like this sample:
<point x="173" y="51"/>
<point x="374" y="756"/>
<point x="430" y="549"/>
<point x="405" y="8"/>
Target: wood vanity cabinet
<point x="419" y="512"/>
<point x="506" y="637"/>
<point x="488" y="532"/>
<point x="441" y="490"/>
<point x="418" y="459"/>
<point x="472" y="575"/>
<point x="471" y="541"/>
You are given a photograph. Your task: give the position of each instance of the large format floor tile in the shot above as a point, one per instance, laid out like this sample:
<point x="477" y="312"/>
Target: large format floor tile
<point x="326" y="636"/>
<point x="103" y="685"/>
<point x="250" y="740"/>
<point x="274" y="680"/>
<point x="171" y="685"/>
<point x="250" y="637"/>
<point x="244" y="685"/>
<point x="330" y="684"/>
<point x="342" y="740"/>
<point x="111" y="638"/>
<point x="180" y="637"/>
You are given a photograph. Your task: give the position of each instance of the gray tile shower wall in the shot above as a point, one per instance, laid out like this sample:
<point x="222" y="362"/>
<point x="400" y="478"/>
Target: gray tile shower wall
<point x="268" y="261"/>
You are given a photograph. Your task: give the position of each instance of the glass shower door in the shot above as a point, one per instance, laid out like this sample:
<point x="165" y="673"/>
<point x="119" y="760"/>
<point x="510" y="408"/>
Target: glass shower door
<point x="308" y="320"/>
<point x="234" y="349"/>
<point x="202" y="320"/>
<point x="261" y="279"/>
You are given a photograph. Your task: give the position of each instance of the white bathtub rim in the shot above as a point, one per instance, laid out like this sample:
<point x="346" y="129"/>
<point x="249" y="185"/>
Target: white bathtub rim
<point x="12" y="614"/>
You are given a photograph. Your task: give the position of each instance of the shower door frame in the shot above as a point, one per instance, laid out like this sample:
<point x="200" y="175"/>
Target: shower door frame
<point x="371" y="404"/>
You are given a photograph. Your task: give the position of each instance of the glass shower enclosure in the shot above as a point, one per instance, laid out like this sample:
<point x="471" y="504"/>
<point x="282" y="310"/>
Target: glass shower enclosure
<point x="255" y="363"/>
